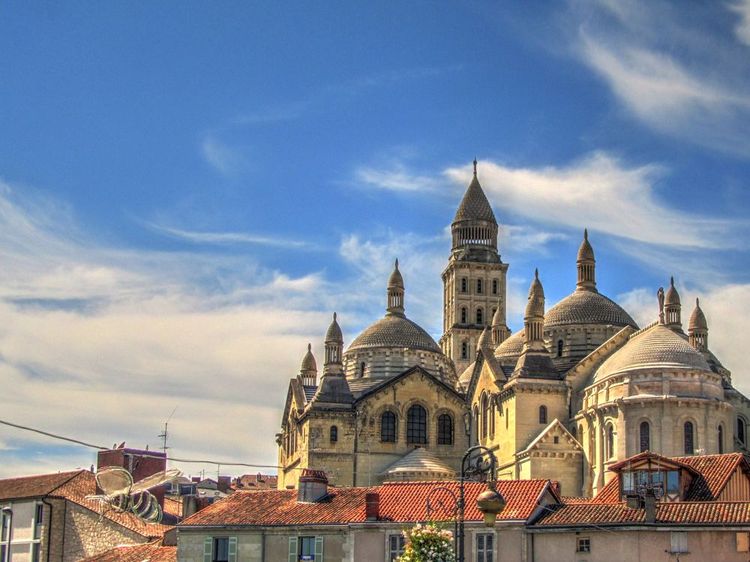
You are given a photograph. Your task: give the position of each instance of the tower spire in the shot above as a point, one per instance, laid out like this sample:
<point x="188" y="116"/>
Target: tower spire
<point x="698" y="328"/>
<point x="308" y="371"/>
<point x="672" y="307"/>
<point x="586" y="265"/>
<point x="395" y="292"/>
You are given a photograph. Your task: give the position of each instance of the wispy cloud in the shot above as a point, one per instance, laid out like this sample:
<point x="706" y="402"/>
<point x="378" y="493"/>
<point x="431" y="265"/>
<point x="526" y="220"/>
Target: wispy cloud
<point x="228" y="160"/>
<point x="601" y="192"/>
<point x="742" y="29"/>
<point x="672" y="76"/>
<point x="395" y="177"/>
<point x="229" y="237"/>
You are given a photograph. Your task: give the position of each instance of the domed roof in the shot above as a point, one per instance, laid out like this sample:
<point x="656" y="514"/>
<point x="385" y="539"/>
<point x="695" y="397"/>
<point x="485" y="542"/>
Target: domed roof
<point x="419" y="464"/>
<point x="308" y="362"/>
<point x="587" y="307"/>
<point x="512" y="347"/>
<point x="654" y="347"/>
<point x="474" y="205"/>
<point x="394" y="331"/>
<point x="697" y="318"/>
<point x="334" y="331"/>
<point x="396" y="279"/>
<point x="672" y="296"/>
<point x="535" y="304"/>
<point x="585" y="252"/>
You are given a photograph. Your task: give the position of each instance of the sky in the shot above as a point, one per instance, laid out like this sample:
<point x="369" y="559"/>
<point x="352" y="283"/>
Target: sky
<point x="189" y="190"/>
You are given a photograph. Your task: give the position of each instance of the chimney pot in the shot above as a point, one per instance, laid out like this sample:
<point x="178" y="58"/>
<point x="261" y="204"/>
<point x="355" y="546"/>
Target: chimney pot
<point x="372" y="506"/>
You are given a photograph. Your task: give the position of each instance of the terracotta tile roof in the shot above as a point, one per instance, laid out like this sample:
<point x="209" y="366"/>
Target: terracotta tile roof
<point x="569" y="500"/>
<point x="677" y="513"/>
<point x="74" y="486"/>
<point x="712" y="472"/>
<point x="151" y="552"/>
<point x="173" y="506"/>
<point x="399" y="502"/>
<point x="34" y="486"/>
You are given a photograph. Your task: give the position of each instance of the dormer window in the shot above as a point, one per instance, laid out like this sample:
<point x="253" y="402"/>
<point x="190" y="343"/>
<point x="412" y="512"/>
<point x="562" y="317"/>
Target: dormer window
<point x="664" y="483"/>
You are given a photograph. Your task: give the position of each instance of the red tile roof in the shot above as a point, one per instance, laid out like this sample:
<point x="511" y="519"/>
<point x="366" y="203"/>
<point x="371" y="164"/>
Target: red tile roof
<point x="74" y="486"/>
<point x="712" y="472"/>
<point x="398" y="502"/>
<point x="677" y="513"/>
<point x="151" y="552"/>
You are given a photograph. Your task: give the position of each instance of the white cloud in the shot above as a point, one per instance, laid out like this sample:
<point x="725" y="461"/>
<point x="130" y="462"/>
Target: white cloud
<point x="395" y="177"/>
<point x="228" y="237"/>
<point x="742" y="29"/>
<point x="600" y="192"/>
<point x="224" y="158"/>
<point x="672" y="75"/>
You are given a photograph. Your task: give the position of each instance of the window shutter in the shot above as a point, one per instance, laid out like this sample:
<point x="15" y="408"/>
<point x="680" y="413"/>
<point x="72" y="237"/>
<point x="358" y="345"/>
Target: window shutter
<point x="232" y="550"/>
<point x="318" y="549"/>
<point x="293" y="557"/>
<point x="208" y="546"/>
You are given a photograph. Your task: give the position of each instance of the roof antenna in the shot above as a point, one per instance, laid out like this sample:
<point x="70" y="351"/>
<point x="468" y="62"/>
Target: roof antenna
<point x="475" y="166"/>
<point x="163" y="434"/>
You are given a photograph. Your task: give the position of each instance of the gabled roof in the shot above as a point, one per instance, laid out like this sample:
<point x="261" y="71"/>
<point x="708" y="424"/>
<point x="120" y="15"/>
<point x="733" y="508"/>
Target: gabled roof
<point x="384" y="383"/>
<point x="554" y="427"/>
<point x="399" y="502"/>
<point x="652" y="459"/>
<point x="675" y="513"/>
<point x="150" y="552"/>
<point x="34" y="486"/>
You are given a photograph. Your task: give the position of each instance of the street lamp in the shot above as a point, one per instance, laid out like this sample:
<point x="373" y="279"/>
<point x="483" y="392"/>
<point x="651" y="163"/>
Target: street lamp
<point x="478" y="463"/>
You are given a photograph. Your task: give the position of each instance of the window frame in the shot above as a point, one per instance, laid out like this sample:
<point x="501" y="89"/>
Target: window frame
<point x="416" y="429"/>
<point x="543" y="416"/>
<point x="390" y="438"/>
<point x="644" y="437"/>
<point x="480" y="315"/>
<point x="485" y="553"/>
<point x="333" y="434"/>
<point x="445" y="435"/>
<point x="688" y="437"/>
<point x="583" y="544"/>
<point x="393" y="551"/>
<point x="215" y="542"/>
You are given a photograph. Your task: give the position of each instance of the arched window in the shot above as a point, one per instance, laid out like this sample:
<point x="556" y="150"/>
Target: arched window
<point x="610" y="441"/>
<point x="492" y="418"/>
<point x="463" y="315"/>
<point x="388" y="427"/>
<point x="464" y="350"/>
<point x="445" y="430"/>
<point x="645" y="436"/>
<point x="464" y="285"/>
<point x="475" y="422"/>
<point x="543" y="414"/>
<point x="559" y="348"/>
<point x="362" y="369"/>
<point x="721" y="439"/>
<point x="485" y="415"/>
<point x="334" y="434"/>
<point x="494" y="286"/>
<point x="688" y="434"/>
<point x="416" y="425"/>
<point x="741" y="430"/>
<point x="480" y="316"/>
<point x="479" y="286"/>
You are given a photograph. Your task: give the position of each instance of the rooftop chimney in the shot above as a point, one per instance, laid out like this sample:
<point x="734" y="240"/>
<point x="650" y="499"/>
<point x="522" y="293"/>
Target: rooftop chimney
<point x="372" y="506"/>
<point x="313" y="486"/>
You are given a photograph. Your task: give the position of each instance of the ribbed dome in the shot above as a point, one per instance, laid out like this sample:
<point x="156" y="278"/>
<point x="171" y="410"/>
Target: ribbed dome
<point x="512" y="347"/>
<point x="585" y="252"/>
<point x="656" y="347"/>
<point x="394" y="331"/>
<point x="308" y="362"/>
<point x="535" y="304"/>
<point x="474" y="205"/>
<point x="697" y="319"/>
<point x="587" y="307"/>
<point x="334" y="331"/>
<point x="419" y="464"/>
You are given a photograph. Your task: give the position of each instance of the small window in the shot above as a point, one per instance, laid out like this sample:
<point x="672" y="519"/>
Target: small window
<point x="688" y="435"/>
<point x="445" y="430"/>
<point x="5" y="527"/>
<point x="38" y="517"/>
<point x="494" y="286"/>
<point x="556" y="439"/>
<point x="221" y="549"/>
<point x="416" y="425"/>
<point x="559" y="348"/>
<point x="543" y="414"/>
<point x="464" y="350"/>
<point x="721" y="439"/>
<point x="479" y="287"/>
<point x="480" y="316"/>
<point x="388" y="427"/>
<point x="464" y="315"/>
<point x="396" y="545"/>
<point x="464" y="285"/>
<point x="485" y="547"/>
<point x="610" y="441"/>
<point x="362" y="369"/>
<point x="583" y="544"/>
<point x="741" y="430"/>
<point x="645" y="436"/>
<point x="485" y="415"/>
<point x="679" y="542"/>
<point x="334" y="434"/>
<point x="307" y="548"/>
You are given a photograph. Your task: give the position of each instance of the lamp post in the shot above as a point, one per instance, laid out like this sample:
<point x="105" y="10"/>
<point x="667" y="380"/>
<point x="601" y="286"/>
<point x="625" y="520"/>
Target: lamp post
<point x="7" y="511"/>
<point x="478" y="463"/>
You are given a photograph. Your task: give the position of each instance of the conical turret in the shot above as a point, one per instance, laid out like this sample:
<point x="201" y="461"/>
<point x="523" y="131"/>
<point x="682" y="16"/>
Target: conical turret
<point x="308" y="371"/>
<point x="698" y="328"/>
<point x="333" y="389"/>
<point x="500" y="330"/>
<point x="475" y="226"/>
<point x="395" y="292"/>
<point x="586" y="265"/>
<point x="672" y="308"/>
<point x="533" y="321"/>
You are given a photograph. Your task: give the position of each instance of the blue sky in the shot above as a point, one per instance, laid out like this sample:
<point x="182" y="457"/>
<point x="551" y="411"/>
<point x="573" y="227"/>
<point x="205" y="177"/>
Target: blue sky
<point x="188" y="191"/>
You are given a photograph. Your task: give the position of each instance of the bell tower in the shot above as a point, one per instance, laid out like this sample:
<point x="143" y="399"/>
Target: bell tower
<point x="474" y="280"/>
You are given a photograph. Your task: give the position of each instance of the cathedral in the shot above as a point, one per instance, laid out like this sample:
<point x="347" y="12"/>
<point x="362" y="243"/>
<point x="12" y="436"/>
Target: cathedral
<point x="579" y="389"/>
